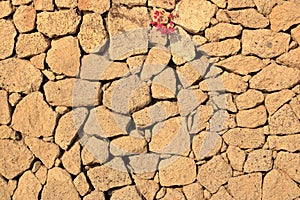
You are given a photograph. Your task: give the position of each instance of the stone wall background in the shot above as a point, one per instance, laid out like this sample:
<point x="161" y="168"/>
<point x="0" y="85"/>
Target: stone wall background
<point x="243" y="141"/>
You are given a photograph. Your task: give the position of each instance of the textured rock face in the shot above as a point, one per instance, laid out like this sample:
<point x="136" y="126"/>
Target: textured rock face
<point x="24" y="18"/>
<point x="249" y="18"/>
<point x="224" y="48"/>
<point x="7" y="37"/>
<point x="5" y="115"/>
<point x="31" y="44"/>
<point x="291" y="59"/>
<point x="94" y="5"/>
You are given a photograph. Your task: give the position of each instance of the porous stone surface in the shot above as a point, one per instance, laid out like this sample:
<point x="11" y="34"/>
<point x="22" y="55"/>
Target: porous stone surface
<point x="31" y="44"/>
<point x="7" y="34"/>
<point x="24" y="18"/>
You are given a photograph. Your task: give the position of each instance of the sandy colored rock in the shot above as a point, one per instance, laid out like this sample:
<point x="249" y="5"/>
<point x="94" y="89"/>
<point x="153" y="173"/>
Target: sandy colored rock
<point x="164" y="85"/>
<point x="131" y="2"/>
<point x="173" y="193"/>
<point x="120" y="147"/>
<point x="28" y="187"/>
<point x="270" y="78"/>
<point x="14" y="98"/>
<point x="59" y="185"/>
<point x="144" y="165"/>
<point x="252" y="118"/>
<point x="241" y="64"/>
<point x="240" y="4"/>
<point x="106" y="177"/>
<point x="200" y="20"/>
<point x="45" y="151"/>
<point x="259" y="160"/>
<point x="58" y="23"/>
<point x="70" y="92"/>
<point x="64" y="56"/>
<point x="220" y="3"/>
<point x="38" y="61"/>
<point x="249" y="99"/>
<point x="95" y="195"/>
<point x="20" y="2"/>
<point x="46" y="5"/>
<point x="275" y="100"/>
<point x="33" y="108"/>
<point x="222" y="30"/>
<point x="221" y="194"/>
<point x="288" y="163"/>
<point x="233" y="83"/>
<point x="236" y="157"/>
<point x="147" y="188"/>
<point x="4" y="193"/>
<point x="7" y="38"/>
<point x="15" y="160"/>
<point x="206" y="144"/>
<point x="68" y="126"/>
<point x="225" y="102"/>
<point x="291" y="59"/>
<point x="264" y="43"/>
<point x="41" y="174"/>
<point x="284" y="16"/>
<point x="193" y="191"/>
<point x="24" y="18"/>
<point x="198" y="40"/>
<point x="287" y="143"/>
<point x="287" y="189"/>
<point x="224" y="48"/>
<point x="94" y="5"/>
<point x="135" y="63"/>
<point x="295" y="105"/>
<point x="81" y="184"/>
<point x="5" y="115"/>
<point x="5" y="8"/>
<point x="66" y="3"/>
<point x="198" y="121"/>
<point x="249" y="18"/>
<point x="214" y="173"/>
<point x="245" y="138"/>
<point x="128" y="192"/>
<point x="296" y="34"/>
<point x="31" y="44"/>
<point x="168" y="5"/>
<point x="252" y="183"/>
<point x="71" y="159"/>
<point x="7" y="132"/>
<point x="188" y="74"/>
<point x="92" y="34"/>
<point x="221" y="120"/>
<point x="177" y="171"/>
<point x="284" y="121"/>
<point x="265" y="6"/>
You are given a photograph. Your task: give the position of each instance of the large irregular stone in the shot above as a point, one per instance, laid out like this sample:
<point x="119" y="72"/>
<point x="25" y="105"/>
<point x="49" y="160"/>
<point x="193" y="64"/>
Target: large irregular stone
<point x="177" y="171"/>
<point x="225" y="102"/>
<point x="284" y="16"/>
<point x="168" y="5"/>
<point x="259" y="160"/>
<point x="58" y="23"/>
<point x="287" y="142"/>
<point x="120" y="147"/>
<point x="41" y="174"/>
<point x="270" y="78"/>
<point x="224" y="48"/>
<point x="265" y="6"/>
<point x="193" y="191"/>
<point x="252" y="118"/>
<point x="221" y="120"/>
<point x="240" y="4"/>
<point x="275" y="100"/>
<point x="108" y="176"/>
<point x="284" y="121"/>
<point x="128" y="31"/>
<point x="28" y="187"/>
<point x="200" y="20"/>
<point x="24" y="18"/>
<point x="252" y="183"/>
<point x="33" y="108"/>
<point x="248" y="18"/>
<point x="214" y="173"/>
<point x="5" y="8"/>
<point x="242" y="64"/>
<point x="7" y="38"/>
<point x="188" y="74"/>
<point x="221" y="194"/>
<point x="249" y="99"/>
<point x="45" y="151"/>
<point x="164" y="85"/>
<point x="59" y="186"/>
<point x="15" y="159"/>
<point x="73" y="92"/>
<point x="7" y="132"/>
<point x="173" y="193"/>
<point x="46" y="5"/>
<point x="64" y="56"/>
<point x="71" y="159"/>
<point x="245" y="138"/>
<point x="296" y="34"/>
<point x="142" y="2"/>
<point x="92" y="35"/>
<point x="68" y="127"/>
<point x="128" y="192"/>
<point x="289" y="163"/>
<point x="287" y="189"/>
<point x="95" y="195"/>
<point x="144" y="165"/>
<point x="264" y="43"/>
<point x="5" y="115"/>
<point x="20" y="2"/>
<point x="31" y="44"/>
<point x="94" y="5"/>
<point x="236" y="157"/>
<point x="81" y="184"/>
<point x="66" y="3"/>
<point x="291" y="59"/>
<point x="198" y="120"/>
<point x="295" y="105"/>
<point x="147" y="188"/>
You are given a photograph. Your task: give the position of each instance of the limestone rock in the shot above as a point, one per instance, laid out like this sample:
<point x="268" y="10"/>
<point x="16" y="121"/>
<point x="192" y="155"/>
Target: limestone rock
<point x="128" y="192"/>
<point x="173" y="193"/>
<point x="24" y="18"/>
<point x="222" y="30"/>
<point x="264" y="43"/>
<point x="291" y="59"/>
<point x="198" y="120"/>
<point x="59" y="185"/>
<point x="221" y="120"/>
<point x="31" y="44"/>
<point x="233" y="83"/>
<point x="46" y="5"/>
<point x="20" y="2"/>
<point x="188" y="74"/>
<point x="144" y="165"/>
<point x="270" y="78"/>
<point x="240" y="4"/>
<point x="249" y="99"/>
<point x="296" y="34"/>
<point x="134" y="2"/>
<point x="7" y="38"/>
<point x="275" y="100"/>
<point x="252" y="183"/>
<point x="236" y="157"/>
<point x="94" y="5"/>
<point x="295" y="105"/>
<point x="221" y="194"/>
<point x="200" y="20"/>
<point x="66" y="3"/>
<point x="252" y="118"/>
<point x="33" y="108"/>
<point x="81" y="184"/>
<point x="15" y="159"/>
<point x="120" y="147"/>
<point x="41" y="174"/>
<point x="214" y="173"/>
<point x="95" y="195"/>
<point x="28" y="187"/>
<point x="284" y="121"/>
<point x="45" y="151"/>
<point x="224" y="48"/>
<point x="5" y="9"/>
<point x="92" y="34"/>
<point x="147" y="188"/>
<point x="38" y="61"/>
<point x="284" y="16"/>
<point x="241" y="64"/>
<point x="265" y="6"/>
<point x="287" y="189"/>
<point x="5" y="115"/>
<point x="58" y="23"/>
<point x="259" y="160"/>
<point x="64" y="56"/>
<point x="193" y="191"/>
<point x="287" y="142"/>
<point x="4" y="193"/>
<point x="71" y="159"/>
<point x="68" y="127"/>
<point x="289" y="163"/>
<point x="244" y="137"/>
<point x="164" y="85"/>
<point x="248" y="18"/>
<point x="168" y="5"/>
<point x="177" y="171"/>
<point x="7" y="132"/>
<point x="224" y="102"/>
